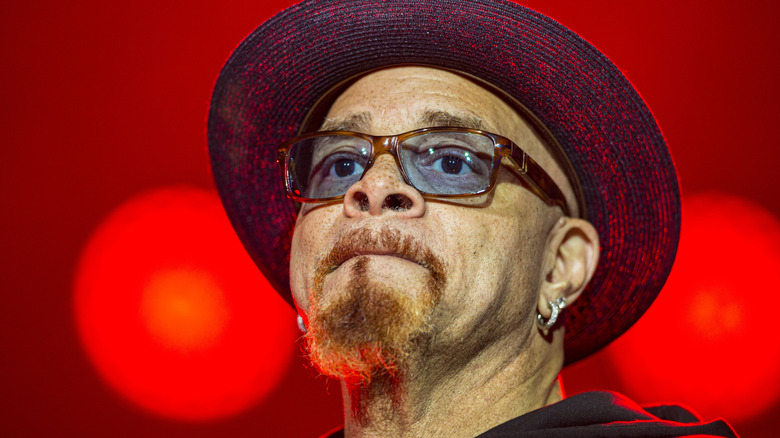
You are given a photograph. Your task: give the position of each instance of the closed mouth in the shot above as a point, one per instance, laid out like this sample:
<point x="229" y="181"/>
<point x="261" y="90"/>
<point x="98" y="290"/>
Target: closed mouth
<point x="386" y="242"/>
<point x="359" y="253"/>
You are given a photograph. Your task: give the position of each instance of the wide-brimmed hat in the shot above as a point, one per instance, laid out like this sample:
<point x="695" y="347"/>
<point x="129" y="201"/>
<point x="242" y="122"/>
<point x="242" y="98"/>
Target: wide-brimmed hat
<point x="304" y="55"/>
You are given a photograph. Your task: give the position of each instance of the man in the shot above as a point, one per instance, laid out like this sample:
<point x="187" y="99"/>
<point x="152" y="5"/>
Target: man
<point x="481" y="199"/>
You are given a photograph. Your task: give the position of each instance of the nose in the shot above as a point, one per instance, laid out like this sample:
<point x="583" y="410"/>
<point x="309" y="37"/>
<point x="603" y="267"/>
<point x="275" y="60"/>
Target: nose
<point x="382" y="191"/>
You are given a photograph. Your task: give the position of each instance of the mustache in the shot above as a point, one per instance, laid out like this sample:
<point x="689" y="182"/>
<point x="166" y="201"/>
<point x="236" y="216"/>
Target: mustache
<point x="386" y="241"/>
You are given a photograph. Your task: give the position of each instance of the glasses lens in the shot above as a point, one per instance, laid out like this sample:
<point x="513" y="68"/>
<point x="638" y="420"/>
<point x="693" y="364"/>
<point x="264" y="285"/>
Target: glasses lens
<point x="326" y="166"/>
<point x="448" y="162"/>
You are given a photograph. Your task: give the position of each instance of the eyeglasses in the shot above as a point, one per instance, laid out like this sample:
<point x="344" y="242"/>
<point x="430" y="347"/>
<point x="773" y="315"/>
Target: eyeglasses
<point x="438" y="162"/>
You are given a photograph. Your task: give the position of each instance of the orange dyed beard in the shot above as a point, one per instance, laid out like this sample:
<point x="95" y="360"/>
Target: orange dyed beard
<point x="371" y="328"/>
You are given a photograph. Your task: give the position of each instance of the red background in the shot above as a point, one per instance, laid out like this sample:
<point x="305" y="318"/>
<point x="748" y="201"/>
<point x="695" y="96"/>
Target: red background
<point x="104" y="100"/>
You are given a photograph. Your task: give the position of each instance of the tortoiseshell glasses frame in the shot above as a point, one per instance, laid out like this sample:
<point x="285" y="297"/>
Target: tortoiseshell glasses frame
<point x="417" y="153"/>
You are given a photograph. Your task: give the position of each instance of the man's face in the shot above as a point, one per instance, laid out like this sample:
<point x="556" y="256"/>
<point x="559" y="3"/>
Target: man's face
<point x="386" y="276"/>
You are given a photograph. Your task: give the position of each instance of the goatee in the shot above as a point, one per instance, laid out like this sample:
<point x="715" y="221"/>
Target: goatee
<point x="371" y="328"/>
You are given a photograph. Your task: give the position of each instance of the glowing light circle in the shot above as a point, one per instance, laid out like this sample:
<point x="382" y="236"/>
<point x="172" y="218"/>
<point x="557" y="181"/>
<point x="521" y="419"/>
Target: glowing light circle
<point x="174" y="314"/>
<point x="712" y="338"/>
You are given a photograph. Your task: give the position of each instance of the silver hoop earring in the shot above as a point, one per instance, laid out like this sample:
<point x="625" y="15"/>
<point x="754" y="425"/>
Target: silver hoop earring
<point x="301" y="325"/>
<point x="556" y="307"/>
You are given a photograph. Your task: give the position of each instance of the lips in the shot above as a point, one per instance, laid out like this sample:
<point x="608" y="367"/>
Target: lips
<point x="365" y="242"/>
<point x="387" y="242"/>
<point x="374" y="252"/>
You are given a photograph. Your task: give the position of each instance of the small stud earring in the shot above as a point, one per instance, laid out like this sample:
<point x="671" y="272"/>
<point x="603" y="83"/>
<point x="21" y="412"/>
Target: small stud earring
<point x="301" y="325"/>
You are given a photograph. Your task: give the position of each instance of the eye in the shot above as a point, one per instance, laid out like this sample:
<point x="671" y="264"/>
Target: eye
<point x="447" y="163"/>
<point x="451" y="160"/>
<point x="451" y="164"/>
<point x="344" y="167"/>
<point x="449" y="154"/>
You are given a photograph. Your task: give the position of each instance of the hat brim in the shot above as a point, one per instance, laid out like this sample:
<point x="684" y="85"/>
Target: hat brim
<point x="629" y="185"/>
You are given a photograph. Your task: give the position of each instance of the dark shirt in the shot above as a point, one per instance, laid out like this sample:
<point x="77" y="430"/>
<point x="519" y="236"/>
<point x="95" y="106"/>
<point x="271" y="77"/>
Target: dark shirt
<point x="604" y="414"/>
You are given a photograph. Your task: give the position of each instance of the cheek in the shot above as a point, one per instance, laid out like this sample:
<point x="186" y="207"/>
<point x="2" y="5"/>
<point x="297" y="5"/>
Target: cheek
<point x="523" y="243"/>
<point x="308" y="245"/>
<point x="297" y="281"/>
<point x="499" y="250"/>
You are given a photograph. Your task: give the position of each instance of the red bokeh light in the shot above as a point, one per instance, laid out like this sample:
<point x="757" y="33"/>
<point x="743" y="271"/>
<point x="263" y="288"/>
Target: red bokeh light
<point x="174" y="314"/>
<point x="711" y="340"/>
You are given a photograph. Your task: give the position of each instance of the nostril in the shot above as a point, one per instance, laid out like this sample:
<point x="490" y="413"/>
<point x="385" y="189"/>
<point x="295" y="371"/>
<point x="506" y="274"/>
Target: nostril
<point x="397" y="202"/>
<point x="362" y="201"/>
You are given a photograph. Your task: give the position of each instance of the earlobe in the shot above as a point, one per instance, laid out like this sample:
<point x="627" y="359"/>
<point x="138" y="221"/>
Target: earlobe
<point x="570" y="261"/>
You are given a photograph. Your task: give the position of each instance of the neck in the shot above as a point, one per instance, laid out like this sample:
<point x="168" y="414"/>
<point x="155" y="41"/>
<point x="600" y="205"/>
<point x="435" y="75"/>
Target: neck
<point x="432" y="397"/>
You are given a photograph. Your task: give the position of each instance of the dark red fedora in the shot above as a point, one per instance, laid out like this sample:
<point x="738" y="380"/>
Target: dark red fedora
<point x="278" y="74"/>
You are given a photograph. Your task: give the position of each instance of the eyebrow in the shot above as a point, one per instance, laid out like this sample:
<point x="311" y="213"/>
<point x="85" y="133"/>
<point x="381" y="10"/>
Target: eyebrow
<point x="361" y="122"/>
<point x="358" y="122"/>
<point x="436" y="118"/>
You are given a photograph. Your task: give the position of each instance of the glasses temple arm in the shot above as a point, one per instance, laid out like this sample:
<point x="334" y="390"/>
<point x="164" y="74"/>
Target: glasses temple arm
<point x="539" y="182"/>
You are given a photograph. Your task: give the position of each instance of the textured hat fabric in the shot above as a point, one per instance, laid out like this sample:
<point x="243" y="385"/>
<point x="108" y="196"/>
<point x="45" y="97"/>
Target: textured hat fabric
<point x="629" y="185"/>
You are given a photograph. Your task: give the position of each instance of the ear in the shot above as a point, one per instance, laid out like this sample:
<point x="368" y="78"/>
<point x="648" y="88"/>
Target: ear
<point x="570" y="260"/>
